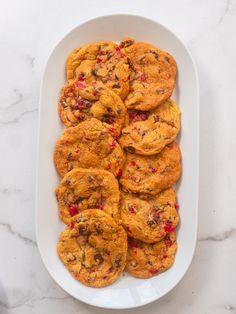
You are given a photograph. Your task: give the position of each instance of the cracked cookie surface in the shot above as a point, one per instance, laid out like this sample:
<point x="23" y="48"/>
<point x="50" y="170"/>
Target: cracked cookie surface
<point x="149" y="220"/>
<point x="81" y="189"/>
<point x="93" y="248"/>
<point x="80" y="102"/>
<point x="152" y="174"/>
<point x="88" y="145"/>
<point x="145" y="260"/>
<point x="149" y="132"/>
<point x="153" y="73"/>
<point x="101" y="61"/>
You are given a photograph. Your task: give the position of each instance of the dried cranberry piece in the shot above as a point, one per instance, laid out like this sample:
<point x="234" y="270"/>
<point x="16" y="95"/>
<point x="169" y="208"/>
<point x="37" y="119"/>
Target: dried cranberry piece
<point x="100" y="60"/>
<point x="119" y="174"/>
<point x="71" y="225"/>
<point x="156" y="216"/>
<point x="153" y="170"/>
<point x="80" y="78"/>
<point x="73" y="210"/>
<point x="143" y="78"/>
<point x="168" y="241"/>
<point x="133" y="163"/>
<point x="137" y="115"/>
<point x="153" y="271"/>
<point x="132" y="209"/>
<point x="132" y="243"/>
<point x="80" y="85"/>
<point x="119" y="52"/>
<point x="113" y="144"/>
<point x="168" y="228"/>
<point x="110" y="270"/>
<point x="100" y="205"/>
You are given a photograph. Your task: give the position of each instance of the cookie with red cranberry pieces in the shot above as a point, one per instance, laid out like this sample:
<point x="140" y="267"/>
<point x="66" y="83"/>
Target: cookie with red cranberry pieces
<point x="101" y="61"/>
<point x="149" y="175"/>
<point x="80" y="102"/>
<point x="149" y="132"/>
<point x="81" y="189"/>
<point x="93" y="248"/>
<point x="153" y="73"/>
<point x="145" y="260"/>
<point x="149" y="220"/>
<point x="88" y="145"/>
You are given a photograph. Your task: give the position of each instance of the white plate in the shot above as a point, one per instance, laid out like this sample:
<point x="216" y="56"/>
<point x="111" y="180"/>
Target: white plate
<point x="127" y="292"/>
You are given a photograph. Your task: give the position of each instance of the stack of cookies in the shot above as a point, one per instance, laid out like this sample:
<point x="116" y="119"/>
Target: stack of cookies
<point x="118" y="160"/>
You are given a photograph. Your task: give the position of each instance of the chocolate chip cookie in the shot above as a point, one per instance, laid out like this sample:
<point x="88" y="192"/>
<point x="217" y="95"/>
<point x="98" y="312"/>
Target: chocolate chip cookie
<point x="81" y="189"/>
<point x="88" y="145"/>
<point x="152" y="174"/>
<point x="80" y="102"/>
<point x="101" y="61"/>
<point x="149" y="132"/>
<point x="93" y="248"/>
<point x="151" y="219"/>
<point x="153" y="73"/>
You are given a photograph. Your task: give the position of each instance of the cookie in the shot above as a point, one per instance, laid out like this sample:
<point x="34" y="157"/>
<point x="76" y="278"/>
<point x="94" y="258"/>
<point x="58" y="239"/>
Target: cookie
<point x="93" y="248"/>
<point x="101" y="61"/>
<point x="152" y="76"/>
<point x="151" y="219"/>
<point x="88" y="145"/>
<point x="149" y="132"/>
<point x="81" y="189"/>
<point x="145" y="260"/>
<point x="152" y="174"/>
<point x="80" y="102"/>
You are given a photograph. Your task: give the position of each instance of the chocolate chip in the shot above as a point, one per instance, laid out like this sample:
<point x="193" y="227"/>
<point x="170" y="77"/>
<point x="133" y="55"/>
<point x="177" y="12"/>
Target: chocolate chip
<point x="130" y="149"/>
<point x="116" y="85"/>
<point x="156" y="118"/>
<point x="144" y="133"/>
<point x="117" y="262"/>
<point x="90" y="179"/>
<point x="126" y="42"/>
<point x="98" y="258"/>
<point x="151" y="222"/>
<point x="154" y="53"/>
<point x="99" y="229"/>
<point x="95" y="72"/>
<point x="104" y="80"/>
<point x="70" y="157"/>
<point x="108" y="119"/>
<point x="83" y="230"/>
<point x="167" y="59"/>
<point x="63" y="104"/>
<point x="79" y="199"/>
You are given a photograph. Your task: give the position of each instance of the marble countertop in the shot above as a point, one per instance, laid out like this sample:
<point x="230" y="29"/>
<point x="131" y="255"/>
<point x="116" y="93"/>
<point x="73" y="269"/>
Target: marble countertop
<point x="28" y="32"/>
